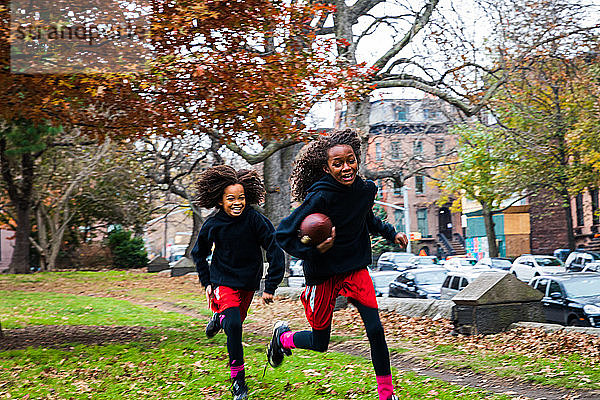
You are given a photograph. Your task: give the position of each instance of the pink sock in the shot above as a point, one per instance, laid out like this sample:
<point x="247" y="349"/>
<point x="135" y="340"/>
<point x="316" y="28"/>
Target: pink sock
<point x="235" y="370"/>
<point x="385" y="387"/>
<point x="287" y="340"/>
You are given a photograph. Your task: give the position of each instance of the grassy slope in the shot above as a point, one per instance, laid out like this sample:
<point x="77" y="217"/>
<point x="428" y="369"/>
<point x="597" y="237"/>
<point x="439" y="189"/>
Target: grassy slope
<point x="175" y="363"/>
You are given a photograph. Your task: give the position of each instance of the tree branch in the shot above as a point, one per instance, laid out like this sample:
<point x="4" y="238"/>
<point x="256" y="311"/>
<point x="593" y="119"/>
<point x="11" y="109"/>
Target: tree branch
<point x="420" y="21"/>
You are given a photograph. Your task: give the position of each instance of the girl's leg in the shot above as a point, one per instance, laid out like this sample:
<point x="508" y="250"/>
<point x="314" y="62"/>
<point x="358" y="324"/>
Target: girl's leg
<point x="380" y="355"/>
<point x="232" y="325"/>
<point x="316" y="340"/>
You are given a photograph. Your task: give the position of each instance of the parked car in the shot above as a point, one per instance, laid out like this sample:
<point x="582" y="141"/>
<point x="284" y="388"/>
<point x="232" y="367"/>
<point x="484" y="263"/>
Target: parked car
<point x="418" y="283"/>
<point x="577" y="260"/>
<point x="561" y="254"/>
<point x="570" y="299"/>
<point x="390" y="261"/>
<point x="458" y="263"/>
<point x="296" y="278"/>
<point x="296" y="268"/>
<point x="495" y="263"/>
<point x="592" y="267"/>
<point x="420" y="261"/>
<point x="527" y="267"/>
<point x="381" y="281"/>
<point x="456" y="281"/>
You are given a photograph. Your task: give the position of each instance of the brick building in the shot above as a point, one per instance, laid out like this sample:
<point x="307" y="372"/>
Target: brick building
<point x="409" y="134"/>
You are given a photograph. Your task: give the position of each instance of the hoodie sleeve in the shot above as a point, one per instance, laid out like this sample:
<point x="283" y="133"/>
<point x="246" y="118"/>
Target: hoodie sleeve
<point x="275" y="257"/>
<point x="287" y="231"/>
<point x="199" y="253"/>
<point x="375" y="225"/>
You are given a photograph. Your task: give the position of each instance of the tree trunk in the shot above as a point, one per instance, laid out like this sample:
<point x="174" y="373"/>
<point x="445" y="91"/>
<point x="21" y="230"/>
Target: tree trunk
<point x="19" y="263"/>
<point x="276" y="171"/>
<point x="197" y="224"/>
<point x="568" y="219"/>
<point x="490" y="232"/>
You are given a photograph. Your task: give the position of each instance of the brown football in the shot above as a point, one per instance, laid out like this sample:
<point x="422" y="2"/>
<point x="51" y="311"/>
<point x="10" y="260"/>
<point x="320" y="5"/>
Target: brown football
<point x="315" y="228"/>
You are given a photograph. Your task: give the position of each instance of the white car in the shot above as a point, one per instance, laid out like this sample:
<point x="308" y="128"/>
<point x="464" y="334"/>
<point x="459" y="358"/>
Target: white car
<point x="592" y="267"/>
<point x="459" y="263"/>
<point x="458" y="280"/>
<point x="527" y="267"/>
<point x="495" y="263"/>
<point x="381" y="281"/>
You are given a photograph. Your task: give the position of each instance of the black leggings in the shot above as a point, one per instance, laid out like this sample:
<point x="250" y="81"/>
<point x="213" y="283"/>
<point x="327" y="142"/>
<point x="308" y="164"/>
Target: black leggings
<point x="232" y="325"/>
<point x="318" y="340"/>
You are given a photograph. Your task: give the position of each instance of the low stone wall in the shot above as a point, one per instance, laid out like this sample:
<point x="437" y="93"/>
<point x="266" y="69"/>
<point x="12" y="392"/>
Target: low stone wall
<point x="410" y="307"/>
<point x="555" y="327"/>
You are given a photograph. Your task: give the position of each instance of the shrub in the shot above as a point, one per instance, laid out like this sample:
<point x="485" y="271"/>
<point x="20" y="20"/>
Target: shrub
<point x="127" y="251"/>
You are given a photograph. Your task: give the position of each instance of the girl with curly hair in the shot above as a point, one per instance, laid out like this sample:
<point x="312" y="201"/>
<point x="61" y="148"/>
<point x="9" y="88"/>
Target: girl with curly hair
<point x="238" y="232"/>
<point x="325" y="178"/>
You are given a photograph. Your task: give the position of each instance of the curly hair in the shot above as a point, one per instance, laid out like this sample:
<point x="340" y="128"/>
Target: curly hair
<point x="212" y="183"/>
<point x="308" y="167"/>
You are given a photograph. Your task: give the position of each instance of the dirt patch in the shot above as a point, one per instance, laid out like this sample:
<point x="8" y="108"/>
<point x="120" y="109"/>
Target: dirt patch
<point x="60" y="336"/>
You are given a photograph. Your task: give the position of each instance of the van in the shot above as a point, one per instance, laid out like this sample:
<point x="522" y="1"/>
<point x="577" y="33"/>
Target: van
<point x="458" y="280"/>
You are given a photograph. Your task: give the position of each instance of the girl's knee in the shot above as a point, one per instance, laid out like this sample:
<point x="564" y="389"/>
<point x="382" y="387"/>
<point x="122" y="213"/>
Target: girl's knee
<point x="321" y="347"/>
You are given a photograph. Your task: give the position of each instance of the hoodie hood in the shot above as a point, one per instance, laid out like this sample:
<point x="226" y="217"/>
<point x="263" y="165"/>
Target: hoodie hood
<point x="329" y="184"/>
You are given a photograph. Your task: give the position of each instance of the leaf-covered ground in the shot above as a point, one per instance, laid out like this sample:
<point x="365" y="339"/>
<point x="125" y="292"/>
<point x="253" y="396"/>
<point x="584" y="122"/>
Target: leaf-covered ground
<point x="564" y="365"/>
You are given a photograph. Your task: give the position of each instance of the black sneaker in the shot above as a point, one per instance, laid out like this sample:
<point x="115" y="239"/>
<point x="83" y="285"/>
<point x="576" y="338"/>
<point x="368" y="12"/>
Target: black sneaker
<point x="393" y="397"/>
<point x="239" y="389"/>
<point x="214" y="326"/>
<point x="275" y="351"/>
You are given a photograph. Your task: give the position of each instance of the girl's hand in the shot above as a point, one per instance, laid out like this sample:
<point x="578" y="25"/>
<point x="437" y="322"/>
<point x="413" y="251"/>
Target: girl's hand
<point x="267" y="298"/>
<point x="209" y="294"/>
<point x="327" y="243"/>
<point x="401" y="239"/>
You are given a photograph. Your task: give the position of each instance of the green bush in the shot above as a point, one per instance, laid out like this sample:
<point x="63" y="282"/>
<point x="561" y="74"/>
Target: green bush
<point x="127" y="251"/>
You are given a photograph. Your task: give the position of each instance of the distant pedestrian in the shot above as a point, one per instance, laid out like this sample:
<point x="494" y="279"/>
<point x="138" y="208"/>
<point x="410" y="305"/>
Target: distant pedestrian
<point x="237" y="232"/>
<point x="325" y="178"/>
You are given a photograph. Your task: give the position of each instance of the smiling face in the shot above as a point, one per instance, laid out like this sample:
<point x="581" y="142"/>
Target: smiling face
<point x="342" y="164"/>
<point x="233" y="200"/>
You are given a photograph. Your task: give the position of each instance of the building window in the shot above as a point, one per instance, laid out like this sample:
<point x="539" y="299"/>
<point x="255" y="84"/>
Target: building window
<point x="378" y="151"/>
<point x="595" y="216"/>
<point x="396" y="151"/>
<point x="579" y="209"/>
<point x="379" y="188"/>
<point x="430" y="113"/>
<point x="439" y="147"/>
<point x="400" y="113"/>
<point x="420" y="184"/>
<point x="397" y="189"/>
<point x="399" y="220"/>
<point x="422" y="222"/>
<point x="418" y="148"/>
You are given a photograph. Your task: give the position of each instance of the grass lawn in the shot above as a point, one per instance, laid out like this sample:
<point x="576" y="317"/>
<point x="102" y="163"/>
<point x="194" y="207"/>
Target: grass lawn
<point x="174" y="360"/>
<point x="571" y="371"/>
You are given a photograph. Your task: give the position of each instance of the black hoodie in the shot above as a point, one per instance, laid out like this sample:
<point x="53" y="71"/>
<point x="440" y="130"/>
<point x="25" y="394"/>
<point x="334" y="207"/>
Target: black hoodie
<point x="237" y="260"/>
<point x="351" y="212"/>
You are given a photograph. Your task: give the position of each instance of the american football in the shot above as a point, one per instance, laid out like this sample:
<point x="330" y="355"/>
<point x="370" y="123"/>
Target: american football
<point x="315" y="228"/>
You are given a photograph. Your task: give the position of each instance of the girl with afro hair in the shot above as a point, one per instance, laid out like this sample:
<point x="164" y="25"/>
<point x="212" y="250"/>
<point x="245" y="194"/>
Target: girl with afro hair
<point x="238" y="232"/>
<point x="325" y="178"/>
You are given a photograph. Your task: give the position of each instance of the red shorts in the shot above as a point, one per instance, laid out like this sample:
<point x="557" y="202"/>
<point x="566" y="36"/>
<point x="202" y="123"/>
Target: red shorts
<point x="226" y="297"/>
<point x="319" y="300"/>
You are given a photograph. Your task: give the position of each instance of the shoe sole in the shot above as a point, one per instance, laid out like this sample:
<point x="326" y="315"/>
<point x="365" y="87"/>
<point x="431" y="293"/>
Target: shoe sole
<point x="272" y="344"/>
